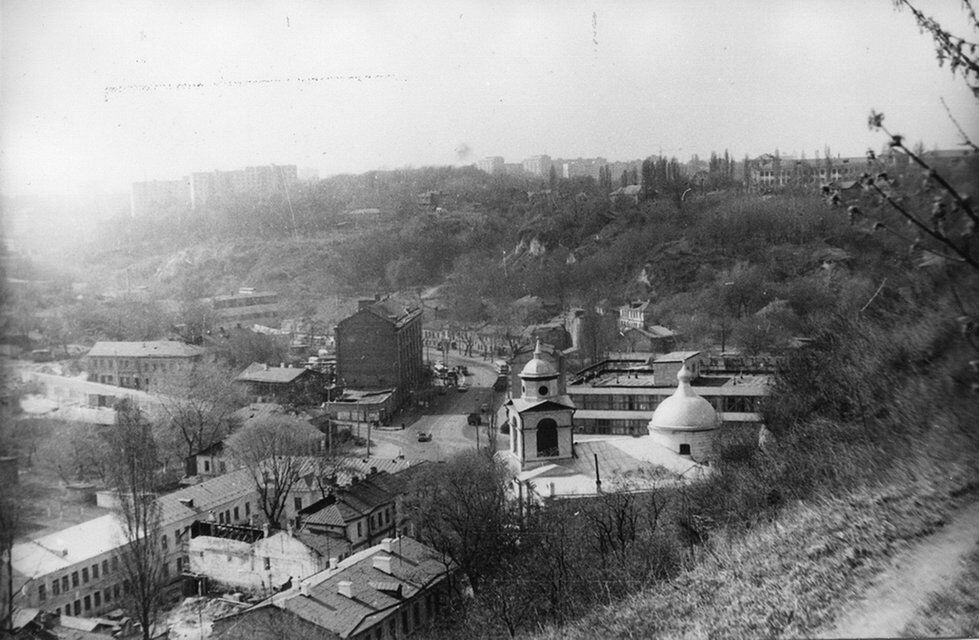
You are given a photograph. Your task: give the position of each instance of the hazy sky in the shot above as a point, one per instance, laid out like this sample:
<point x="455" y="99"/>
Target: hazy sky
<point x="98" y="94"/>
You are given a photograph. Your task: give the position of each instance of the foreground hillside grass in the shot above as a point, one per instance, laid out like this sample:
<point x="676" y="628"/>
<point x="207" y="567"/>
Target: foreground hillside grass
<point x="953" y="612"/>
<point x="790" y="577"/>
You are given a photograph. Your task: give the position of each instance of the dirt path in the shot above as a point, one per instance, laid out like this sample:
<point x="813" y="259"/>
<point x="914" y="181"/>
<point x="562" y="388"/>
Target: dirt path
<point x="928" y="567"/>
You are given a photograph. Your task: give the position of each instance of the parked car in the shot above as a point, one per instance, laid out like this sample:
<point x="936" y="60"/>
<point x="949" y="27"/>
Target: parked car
<point x="424" y="437"/>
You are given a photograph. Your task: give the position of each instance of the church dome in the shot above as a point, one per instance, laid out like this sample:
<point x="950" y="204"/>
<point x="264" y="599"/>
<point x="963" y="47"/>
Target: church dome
<point x="538" y="368"/>
<point x="685" y="409"/>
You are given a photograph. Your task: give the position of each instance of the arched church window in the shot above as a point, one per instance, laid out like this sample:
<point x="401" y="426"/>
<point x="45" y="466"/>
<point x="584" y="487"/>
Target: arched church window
<point x="547" y="443"/>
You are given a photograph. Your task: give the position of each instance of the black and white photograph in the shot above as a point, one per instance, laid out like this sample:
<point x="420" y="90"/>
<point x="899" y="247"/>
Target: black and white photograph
<point x="472" y="320"/>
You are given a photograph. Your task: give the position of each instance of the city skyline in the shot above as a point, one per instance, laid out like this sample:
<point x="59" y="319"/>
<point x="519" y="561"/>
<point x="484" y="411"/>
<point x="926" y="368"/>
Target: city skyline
<point x="166" y="89"/>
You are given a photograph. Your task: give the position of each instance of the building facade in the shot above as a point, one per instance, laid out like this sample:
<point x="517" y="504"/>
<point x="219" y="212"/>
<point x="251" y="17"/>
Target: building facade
<point x="380" y="346"/>
<point x="619" y="397"/>
<point x="387" y="591"/>
<point x="136" y="365"/>
<point x="538" y="165"/>
<point x="493" y="165"/>
<point x="540" y="419"/>
<point x="244" y="308"/>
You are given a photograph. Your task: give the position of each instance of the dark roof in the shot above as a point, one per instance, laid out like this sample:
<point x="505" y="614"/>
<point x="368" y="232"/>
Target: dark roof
<point x="390" y="311"/>
<point x="353" y="502"/>
<point x="217" y="491"/>
<point x="375" y="593"/>
<point x="326" y="545"/>
<point x="258" y="372"/>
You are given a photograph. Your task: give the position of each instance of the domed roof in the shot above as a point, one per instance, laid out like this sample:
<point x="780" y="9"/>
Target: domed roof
<point x="538" y="367"/>
<point x="685" y="409"/>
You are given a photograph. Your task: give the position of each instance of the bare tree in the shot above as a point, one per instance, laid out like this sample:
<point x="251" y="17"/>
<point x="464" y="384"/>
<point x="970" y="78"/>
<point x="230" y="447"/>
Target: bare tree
<point x="460" y="508"/>
<point x="275" y="452"/>
<point x="199" y="405"/>
<point x="133" y="474"/>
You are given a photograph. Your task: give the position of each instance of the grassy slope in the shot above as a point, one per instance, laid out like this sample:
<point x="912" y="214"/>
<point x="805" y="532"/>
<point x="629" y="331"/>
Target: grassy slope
<point x="790" y="577"/>
<point x="953" y="612"/>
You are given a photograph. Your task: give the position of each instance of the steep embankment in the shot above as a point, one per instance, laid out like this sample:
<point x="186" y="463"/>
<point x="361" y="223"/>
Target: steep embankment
<point x="926" y="569"/>
<point x="795" y="576"/>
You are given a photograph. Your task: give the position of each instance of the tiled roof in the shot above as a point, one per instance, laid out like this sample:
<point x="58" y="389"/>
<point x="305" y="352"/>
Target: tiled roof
<point x="156" y="348"/>
<point x="211" y="493"/>
<point x="414" y="567"/>
<point x="355" y="501"/>
<point x="326" y="545"/>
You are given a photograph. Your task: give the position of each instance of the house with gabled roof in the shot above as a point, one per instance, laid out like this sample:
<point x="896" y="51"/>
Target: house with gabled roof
<point x="391" y="590"/>
<point x="282" y="384"/>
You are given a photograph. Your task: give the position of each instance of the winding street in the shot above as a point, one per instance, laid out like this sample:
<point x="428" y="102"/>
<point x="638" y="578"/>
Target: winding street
<point x="446" y="419"/>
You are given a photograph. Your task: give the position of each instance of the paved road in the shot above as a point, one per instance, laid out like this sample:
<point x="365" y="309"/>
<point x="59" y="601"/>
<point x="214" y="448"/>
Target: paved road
<point x="446" y="419"/>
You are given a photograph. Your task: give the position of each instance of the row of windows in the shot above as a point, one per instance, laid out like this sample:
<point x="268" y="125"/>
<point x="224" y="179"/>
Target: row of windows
<point x="249" y="301"/>
<point x="411" y="619"/>
<point x="376" y="521"/>
<point x="110" y="364"/>
<point x="628" y="402"/>
<point x="92" y="601"/>
<point x="62" y="584"/>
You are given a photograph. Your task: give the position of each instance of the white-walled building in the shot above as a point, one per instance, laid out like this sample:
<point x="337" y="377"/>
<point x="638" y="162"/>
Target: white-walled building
<point x="540" y="419"/>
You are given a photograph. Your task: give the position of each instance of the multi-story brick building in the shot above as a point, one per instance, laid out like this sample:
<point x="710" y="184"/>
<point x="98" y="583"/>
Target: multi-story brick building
<point x="136" y="365"/>
<point x="379" y="347"/>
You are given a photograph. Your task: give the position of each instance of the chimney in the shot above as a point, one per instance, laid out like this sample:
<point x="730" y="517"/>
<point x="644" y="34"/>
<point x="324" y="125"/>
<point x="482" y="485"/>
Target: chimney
<point x="373" y="470"/>
<point x="334" y="562"/>
<point x="383" y="563"/>
<point x="187" y="502"/>
<point x="290" y="530"/>
<point x="265" y="530"/>
<point x="345" y="589"/>
<point x="304" y="589"/>
<point x="386" y="544"/>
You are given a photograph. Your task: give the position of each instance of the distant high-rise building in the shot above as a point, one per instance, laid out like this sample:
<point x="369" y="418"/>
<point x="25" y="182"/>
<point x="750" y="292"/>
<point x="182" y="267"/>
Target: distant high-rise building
<point x="492" y="165"/>
<point x="196" y="190"/>
<point x="205" y="186"/>
<point x="582" y="167"/>
<point x="538" y="165"/>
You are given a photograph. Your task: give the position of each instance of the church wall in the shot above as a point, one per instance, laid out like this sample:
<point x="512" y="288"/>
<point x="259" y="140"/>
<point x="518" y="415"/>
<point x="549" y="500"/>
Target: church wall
<point x="529" y="439"/>
<point x="701" y="442"/>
